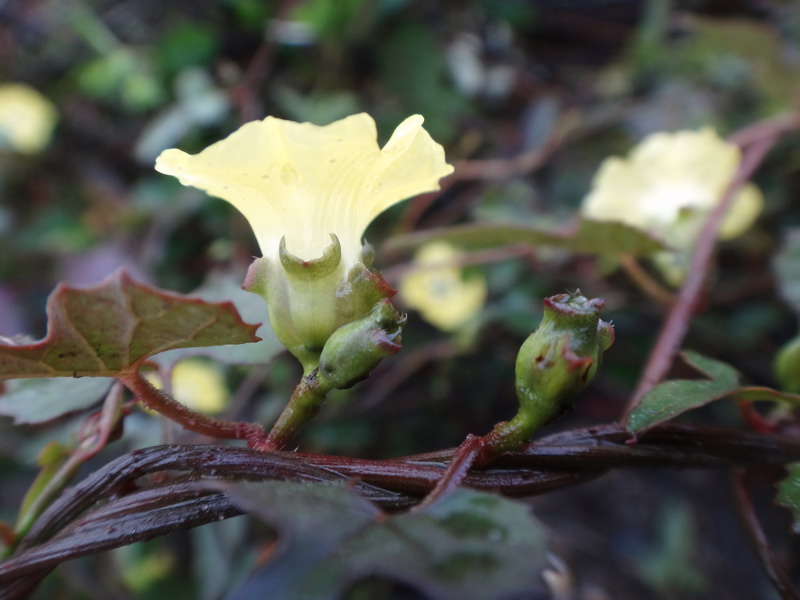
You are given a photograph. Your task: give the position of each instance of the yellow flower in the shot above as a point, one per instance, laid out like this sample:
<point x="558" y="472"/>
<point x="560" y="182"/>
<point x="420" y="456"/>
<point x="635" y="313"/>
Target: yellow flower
<point x="309" y="192"/>
<point x="197" y="383"/>
<point x="437" y="289"/>
<point x="306" y="182"/>
<point x="667" y="185"/>
<point x="26" y="118"/>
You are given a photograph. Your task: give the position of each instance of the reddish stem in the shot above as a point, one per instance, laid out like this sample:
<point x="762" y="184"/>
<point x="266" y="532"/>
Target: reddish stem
<point x="676" y="325"/>
<point x="456" y="471"/>
<point x="160" y="402"/>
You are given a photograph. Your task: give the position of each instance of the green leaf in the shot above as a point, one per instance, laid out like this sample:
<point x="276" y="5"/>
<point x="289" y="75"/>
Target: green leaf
<point x="251" y="307"/>
<point x="588" y="237"/>
<point x="672" y="398"/>
<point x="115" y="326"/>
<point x="789" y="494"/>
<point x="468" y="545"/>
<point x="786" y="265"/>
<point x="34" y="401"/>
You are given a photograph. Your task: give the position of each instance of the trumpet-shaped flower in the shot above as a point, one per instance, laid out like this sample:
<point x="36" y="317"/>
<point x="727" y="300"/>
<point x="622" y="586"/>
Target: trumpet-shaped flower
<point x="436" y="287"/>
<point x="309" y="192"/>
<point x="668" y="185"/>
<point x="26" y="118"/>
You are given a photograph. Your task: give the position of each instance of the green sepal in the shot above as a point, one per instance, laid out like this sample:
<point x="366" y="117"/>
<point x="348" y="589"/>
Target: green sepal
<point x="356" y="348"/>
<point x="309" y="300"/>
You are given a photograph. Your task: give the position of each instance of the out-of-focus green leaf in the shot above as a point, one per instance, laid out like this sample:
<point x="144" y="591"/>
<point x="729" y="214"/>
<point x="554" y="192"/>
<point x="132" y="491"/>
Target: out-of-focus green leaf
<point x="315" y="108"/>
<point x="252" y="309"/>
<point x="327" y="18"/>
<point x="468" y="545"/>
<point x="40" y="400"/>
<point x="113" y="327"/>
<point x="187" y="45"/>
<point x="199" y="103"/>
<point x="786" y="266"/>
<point x="413" y="67"/>
<point x="123" y="75"/>
<point x="670" y="568"/>
<point x="745" y="54"/>
<point x="589" y="237"/>
<point x="672" y="398"/>
<point x="789" y="494"/>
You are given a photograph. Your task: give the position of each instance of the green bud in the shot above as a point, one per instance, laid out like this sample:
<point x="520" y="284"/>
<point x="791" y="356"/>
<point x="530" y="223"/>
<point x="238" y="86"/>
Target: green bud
<point x="787" y="366"/>
<point x="356" y="348"/>
<point x="554" y="365"/>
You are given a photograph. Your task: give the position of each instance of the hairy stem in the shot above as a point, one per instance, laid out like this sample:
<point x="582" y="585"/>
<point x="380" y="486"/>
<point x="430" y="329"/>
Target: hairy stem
<point x="306" y="400"/>
<point x="160" y="402"/>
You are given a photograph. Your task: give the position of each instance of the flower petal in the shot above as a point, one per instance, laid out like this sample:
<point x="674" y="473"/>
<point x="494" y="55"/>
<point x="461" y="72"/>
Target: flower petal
<point x="305" y="182"/>
<point x="745" y="209"/>
<point x="437" y="289"/>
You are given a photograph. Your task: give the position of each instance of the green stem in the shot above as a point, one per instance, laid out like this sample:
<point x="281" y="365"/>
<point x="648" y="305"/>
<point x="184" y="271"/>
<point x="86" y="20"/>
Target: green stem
<point x="307" y="399"/>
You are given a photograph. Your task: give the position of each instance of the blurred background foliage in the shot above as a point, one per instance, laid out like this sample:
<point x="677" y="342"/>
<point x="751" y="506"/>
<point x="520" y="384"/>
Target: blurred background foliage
<point x="574" y="81"/>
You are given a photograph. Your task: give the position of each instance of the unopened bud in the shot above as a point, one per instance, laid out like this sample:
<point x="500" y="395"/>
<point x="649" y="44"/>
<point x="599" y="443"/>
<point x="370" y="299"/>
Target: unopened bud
<point x="561" y="357"/>
<point x="355" y="349"/>
<point x="554" y="365"/>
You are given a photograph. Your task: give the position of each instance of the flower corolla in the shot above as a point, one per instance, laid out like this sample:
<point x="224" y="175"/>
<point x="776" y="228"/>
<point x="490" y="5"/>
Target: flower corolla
<point x="27" y="118"/>
<point x="309" y="192"/>
<point x="667" y="185"/>
<point x="437" y="288"/>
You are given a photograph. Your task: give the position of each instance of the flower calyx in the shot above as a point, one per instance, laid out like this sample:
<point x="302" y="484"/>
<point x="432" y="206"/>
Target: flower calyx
<point x="356" y="348"/>
<point x="310" y="299"/>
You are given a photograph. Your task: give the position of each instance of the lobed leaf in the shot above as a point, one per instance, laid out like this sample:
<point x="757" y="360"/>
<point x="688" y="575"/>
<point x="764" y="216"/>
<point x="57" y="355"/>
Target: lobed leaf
<point x="251" y="307"/>
<point x="588" y="237"/>
<point x="468" y="545"/>
<point x="115" y="326"/>
<point x="672" y="398"/>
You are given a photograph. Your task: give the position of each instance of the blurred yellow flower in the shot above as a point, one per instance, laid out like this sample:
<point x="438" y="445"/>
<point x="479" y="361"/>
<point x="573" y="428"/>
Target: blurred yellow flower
<point x="667" y="185"/>
<point x="306" y="182"/>
<point x="436" y="287"/>
<point x="26" y="118"/>
<point x="197" y="383"/>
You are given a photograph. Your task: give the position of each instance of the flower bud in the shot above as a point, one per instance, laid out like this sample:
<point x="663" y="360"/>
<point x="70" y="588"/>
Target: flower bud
<point x="554" y="365"/>
<point x="787" y="366"/>
<point x="561" y="357"/>
<point x="356" y="348"/>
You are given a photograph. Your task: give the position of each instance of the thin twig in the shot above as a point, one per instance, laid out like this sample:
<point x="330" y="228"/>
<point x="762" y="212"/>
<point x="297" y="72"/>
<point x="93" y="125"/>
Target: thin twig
<point x="645" y="282"/>
<point x="759" y="542"/>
